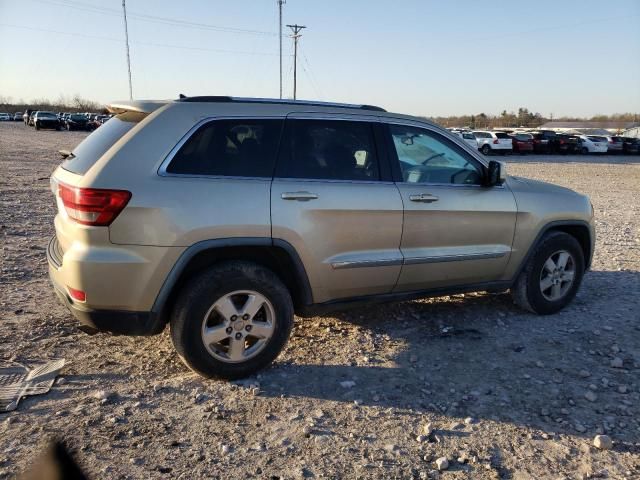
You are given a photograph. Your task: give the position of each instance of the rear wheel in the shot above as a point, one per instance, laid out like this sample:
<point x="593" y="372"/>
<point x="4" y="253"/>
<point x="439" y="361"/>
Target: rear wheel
<point x="552" y="275"/>
<point x="232" y="320"/>
<point x="486" y="149"/>
<point x="584" y="150"/>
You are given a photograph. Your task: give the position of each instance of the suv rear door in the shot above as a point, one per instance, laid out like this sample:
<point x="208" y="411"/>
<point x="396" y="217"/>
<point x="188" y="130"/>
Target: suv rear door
<point x="455" y="231"/>
<point x="333" y="200"/>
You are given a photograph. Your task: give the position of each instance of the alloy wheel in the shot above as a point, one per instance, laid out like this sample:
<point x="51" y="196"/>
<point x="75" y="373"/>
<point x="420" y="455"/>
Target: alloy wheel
<point x="557" y="275"/>
<point x="238" y="326"/>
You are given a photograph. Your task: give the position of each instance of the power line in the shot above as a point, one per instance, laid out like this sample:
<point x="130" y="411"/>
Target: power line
<point x="312" y="76"/>
<point x="150" y="44"/>
<point x="152" y="18"/>
<point x="296" y="29"/>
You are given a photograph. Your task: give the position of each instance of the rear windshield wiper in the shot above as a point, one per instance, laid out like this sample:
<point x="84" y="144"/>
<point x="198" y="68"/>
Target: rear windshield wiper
<point x="66" y="154"/>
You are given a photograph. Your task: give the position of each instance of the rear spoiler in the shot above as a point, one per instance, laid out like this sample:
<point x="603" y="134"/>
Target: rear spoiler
<point x="142" y="106"/>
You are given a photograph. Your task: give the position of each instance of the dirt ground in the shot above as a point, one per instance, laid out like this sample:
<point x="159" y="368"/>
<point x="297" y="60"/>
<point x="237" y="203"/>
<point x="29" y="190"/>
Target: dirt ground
<point x="503" y="390"/>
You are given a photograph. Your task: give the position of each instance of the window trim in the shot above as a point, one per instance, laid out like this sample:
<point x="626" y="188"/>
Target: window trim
<point x="162" y="169"/>
<point x="385" y="175"/>
<point x="395" y="160"/>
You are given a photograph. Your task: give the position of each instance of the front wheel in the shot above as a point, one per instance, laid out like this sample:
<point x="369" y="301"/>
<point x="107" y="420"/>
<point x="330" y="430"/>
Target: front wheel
<point x="552" y="275"/>
<point x="232" y="320"/>
<point x="486" y="149"/>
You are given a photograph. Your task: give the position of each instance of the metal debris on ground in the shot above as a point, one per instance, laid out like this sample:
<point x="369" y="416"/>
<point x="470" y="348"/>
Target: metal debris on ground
<point x="17" y="381"/>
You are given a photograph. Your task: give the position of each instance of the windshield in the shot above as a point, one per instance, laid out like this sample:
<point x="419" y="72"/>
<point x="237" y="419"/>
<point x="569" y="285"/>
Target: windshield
<point x="77" y="117"/>
<point x="46" y="115"/>
<point x="85" y="155"/>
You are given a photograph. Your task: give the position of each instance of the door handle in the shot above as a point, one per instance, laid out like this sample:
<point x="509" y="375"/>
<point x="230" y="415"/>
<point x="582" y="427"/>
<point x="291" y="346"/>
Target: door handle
<point x="300" y="196"/>
<point x="423" y="197"/>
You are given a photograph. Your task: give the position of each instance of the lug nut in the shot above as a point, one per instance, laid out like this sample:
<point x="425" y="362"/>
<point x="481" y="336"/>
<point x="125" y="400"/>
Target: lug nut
<point x="229" y="329"/>
<point x="245" y="316"/>
<point x="234" y="318"/>
<point x="248" y="328"/>
<point x="238" y="336"/>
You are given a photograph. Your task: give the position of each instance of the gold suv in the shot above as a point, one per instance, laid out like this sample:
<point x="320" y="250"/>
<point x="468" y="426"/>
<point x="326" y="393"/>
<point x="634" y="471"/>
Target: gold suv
<point x="225" y="216"/>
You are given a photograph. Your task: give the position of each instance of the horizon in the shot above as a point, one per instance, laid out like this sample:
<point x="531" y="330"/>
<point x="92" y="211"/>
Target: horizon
<point x="389" y="60"/>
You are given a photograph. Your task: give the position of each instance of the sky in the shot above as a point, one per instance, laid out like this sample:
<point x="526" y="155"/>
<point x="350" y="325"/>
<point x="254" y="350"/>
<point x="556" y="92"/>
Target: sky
<point x="421" y="57"/>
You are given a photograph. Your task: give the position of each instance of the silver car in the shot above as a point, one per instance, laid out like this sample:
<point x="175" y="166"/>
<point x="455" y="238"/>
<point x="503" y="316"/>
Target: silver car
<point x="223" y="217"/>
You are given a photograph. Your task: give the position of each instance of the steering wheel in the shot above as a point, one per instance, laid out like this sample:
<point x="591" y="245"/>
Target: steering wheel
<point x="432" y="157"/>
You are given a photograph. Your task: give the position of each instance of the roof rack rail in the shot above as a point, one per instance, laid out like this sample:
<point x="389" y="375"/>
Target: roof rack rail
<point x="228" y="99"/>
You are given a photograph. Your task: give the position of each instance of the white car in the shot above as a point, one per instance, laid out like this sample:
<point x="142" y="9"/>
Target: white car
<point x="489" y="142"/>
<point x="5" y="117"/>
<point x="593" y="144"/>
<point x="468" y="137"/>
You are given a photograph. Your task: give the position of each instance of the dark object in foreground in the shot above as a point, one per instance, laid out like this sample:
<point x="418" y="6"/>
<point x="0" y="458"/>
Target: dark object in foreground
<point x="55" y="464"/>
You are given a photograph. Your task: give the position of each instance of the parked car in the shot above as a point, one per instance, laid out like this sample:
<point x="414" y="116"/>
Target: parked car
<point x="522" y="143"/>
<point x="43" y="119"/>
<point x="17" y="117"/>
<point x="630" y="146"/>
<point x="591" y="144"/>
<point x="540" y="143"/>
<point x="493" y="142"/>
<point x="5" y="117"/>
<point x="614" y="144"/>
<point x="468" y="137"/>
<point x="567" y="143"/>
<point x="265" y="208"/>
<point x="77" y="121"/>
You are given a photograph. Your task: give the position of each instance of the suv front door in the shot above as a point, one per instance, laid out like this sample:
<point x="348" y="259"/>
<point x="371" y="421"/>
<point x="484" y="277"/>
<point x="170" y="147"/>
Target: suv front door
<point x="455" y="231"/>
<point x="333" y="200"/>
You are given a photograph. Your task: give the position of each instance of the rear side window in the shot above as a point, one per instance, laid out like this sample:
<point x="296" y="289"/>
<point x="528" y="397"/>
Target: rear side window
<point x="85" y="155"/>
<point x="328" y="150"/>
<point x="231" y="148"/>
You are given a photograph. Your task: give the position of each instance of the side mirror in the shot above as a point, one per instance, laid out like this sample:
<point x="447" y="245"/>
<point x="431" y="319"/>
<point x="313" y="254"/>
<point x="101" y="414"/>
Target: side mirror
<point x="496" y="173"/>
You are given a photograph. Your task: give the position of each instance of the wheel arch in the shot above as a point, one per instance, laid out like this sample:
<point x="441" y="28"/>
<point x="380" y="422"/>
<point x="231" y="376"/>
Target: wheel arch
<point x="578" y="229"/>
<point x="274" y="254"/>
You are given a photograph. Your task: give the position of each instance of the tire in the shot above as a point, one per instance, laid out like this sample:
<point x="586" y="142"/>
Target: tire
<point x="527" y="291"/>
<point x="37" y="126"/>
<point x="486" y="149"/>
<point x="584" y="151"/>
<point x="196" y="310"/>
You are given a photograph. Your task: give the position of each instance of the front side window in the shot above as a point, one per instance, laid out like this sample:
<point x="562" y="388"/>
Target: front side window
<point x="233" y="148"/>
<point x="426" y="157"/>
<point x="328" y="150"/>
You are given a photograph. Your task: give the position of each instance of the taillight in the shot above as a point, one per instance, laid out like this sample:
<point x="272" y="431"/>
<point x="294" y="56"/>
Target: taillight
<point x="496" y="141"/>
<point x="561" y="142"/>
<point x="93" y="206"/>
<point x="78" y="295"/>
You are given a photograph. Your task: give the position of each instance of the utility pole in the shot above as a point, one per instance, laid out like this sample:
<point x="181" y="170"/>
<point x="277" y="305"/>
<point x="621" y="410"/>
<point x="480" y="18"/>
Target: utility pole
<point x="296" y="29"/>
<point x="126" y="37"/>
<point x="280" y="3"/>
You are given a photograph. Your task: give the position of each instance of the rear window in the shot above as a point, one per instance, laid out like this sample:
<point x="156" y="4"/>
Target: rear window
<point x="77" y="117"/>
<point x="502" y="135"/>
<point x="85" y="155"/>
<point x="597" y="139"/>
<point x="468" y="136"/>
<point x="233" y="148"/>
<point x="46" y="115"/>
<point x="523" y="136"/>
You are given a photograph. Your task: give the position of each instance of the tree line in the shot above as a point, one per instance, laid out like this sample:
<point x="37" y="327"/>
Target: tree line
<point x="522" y="118"/>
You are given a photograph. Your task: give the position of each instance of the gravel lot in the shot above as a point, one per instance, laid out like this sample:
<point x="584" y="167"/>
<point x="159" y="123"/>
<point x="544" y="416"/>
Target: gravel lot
<point x="508" y="394"/>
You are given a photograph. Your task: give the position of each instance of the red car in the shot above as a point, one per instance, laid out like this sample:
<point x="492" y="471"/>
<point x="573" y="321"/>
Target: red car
<point x="522" y="143"/>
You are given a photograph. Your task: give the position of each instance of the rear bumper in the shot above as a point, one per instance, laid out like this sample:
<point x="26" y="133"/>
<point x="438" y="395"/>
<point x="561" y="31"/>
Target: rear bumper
<point x="122" y="322"/>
